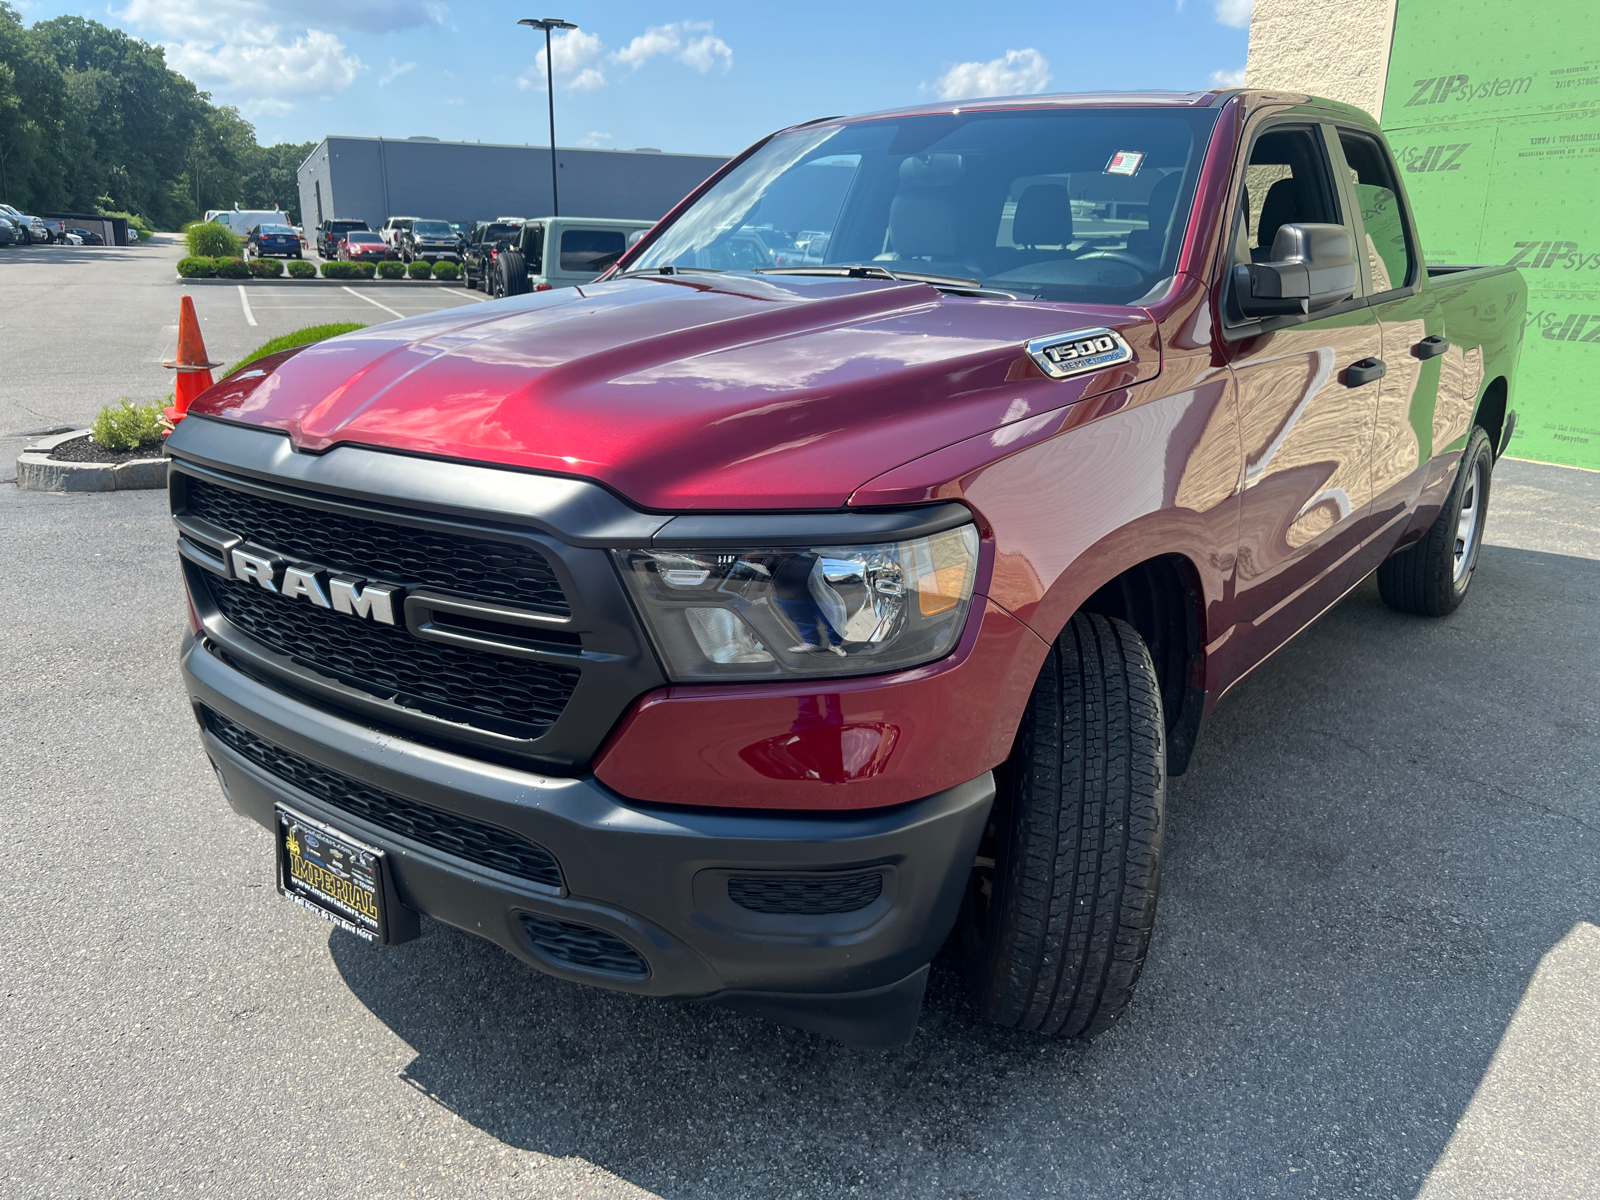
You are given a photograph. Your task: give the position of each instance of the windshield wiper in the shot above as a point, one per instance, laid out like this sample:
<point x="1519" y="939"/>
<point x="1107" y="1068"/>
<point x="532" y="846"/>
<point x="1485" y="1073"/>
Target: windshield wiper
<point x="945" y="283"/>
<point x="670" y="269"/>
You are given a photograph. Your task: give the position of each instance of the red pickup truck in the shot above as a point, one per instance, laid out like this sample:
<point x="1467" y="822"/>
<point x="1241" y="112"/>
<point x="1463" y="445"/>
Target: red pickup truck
<point x="846" y="571"/>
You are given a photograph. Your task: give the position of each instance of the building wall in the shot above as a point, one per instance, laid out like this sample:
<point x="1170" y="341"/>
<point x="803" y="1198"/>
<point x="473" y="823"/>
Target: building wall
<point x="1338" y="49"/>
<point x="375" y="178"/>
<point x="1493" y="110"/>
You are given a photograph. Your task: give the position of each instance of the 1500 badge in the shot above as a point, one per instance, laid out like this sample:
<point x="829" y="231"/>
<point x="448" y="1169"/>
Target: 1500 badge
<point x="1065" y="354"/>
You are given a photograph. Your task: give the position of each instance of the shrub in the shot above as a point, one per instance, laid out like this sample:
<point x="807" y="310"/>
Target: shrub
<point x="420" y="270"/>
<point x="128" y="426"/>
<point x="446" y="270"/>
<point x="231" y="268"/>
<point x="196" y="268"/>
<point x="302" y="270"/>
<point x="347" y="270"/>
<point x="207" y="239"/>
<point x="391" y="270"/>
<point x="300" y="337"/>
<point x="265" y="268"/>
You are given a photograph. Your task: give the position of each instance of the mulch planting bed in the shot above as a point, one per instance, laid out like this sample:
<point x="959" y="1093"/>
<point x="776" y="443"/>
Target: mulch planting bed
<point x="83" y="450"/>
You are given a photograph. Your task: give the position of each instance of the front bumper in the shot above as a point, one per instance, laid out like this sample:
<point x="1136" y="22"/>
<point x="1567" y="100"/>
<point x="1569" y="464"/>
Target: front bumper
<point x="655" y="878"/>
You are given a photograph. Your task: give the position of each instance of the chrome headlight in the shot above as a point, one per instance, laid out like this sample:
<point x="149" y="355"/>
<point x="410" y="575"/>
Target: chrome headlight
<point x="816" y="611"/>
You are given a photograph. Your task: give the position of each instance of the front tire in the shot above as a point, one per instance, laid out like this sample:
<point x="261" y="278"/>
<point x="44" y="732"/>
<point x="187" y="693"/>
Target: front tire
<point x="1431" y="577"/>
<point x="1055" y="932"/>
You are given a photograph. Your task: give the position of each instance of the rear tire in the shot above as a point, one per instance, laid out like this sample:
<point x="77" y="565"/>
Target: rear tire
<point x="1431" y="577"/>
<point x="513" y="280"/>
<point x="1054" y="935"/>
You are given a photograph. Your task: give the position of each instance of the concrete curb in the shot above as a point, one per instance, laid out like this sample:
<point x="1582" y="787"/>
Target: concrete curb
<point x="284" y="281"/>
<point x="38" y="472"/>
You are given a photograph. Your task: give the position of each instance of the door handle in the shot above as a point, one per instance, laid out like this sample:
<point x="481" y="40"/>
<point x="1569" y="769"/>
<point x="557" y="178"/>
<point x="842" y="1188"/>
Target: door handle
<point x="1431" y="347"/>
<point x="1364" y="371"/>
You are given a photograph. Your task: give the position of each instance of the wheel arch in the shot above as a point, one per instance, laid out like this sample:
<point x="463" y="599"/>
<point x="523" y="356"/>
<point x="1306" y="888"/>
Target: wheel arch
<point x="1491" y="413"/>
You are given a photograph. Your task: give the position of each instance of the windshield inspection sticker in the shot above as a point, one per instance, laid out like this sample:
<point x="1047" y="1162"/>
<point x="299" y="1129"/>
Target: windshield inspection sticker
<point x="1125" y="162"/>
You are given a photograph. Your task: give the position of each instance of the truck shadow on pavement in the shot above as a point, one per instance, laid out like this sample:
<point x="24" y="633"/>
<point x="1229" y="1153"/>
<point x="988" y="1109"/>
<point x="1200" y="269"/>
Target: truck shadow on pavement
<point x="1384" y="830"/>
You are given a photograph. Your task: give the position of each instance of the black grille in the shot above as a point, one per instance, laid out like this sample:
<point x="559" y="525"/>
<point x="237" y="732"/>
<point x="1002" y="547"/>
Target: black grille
<point x="812" y="897"/>
<point x="581" y="946"/>
<point x="474" y="841"/>
<point x="386" y="661"/>
<point x="464" y="566"/>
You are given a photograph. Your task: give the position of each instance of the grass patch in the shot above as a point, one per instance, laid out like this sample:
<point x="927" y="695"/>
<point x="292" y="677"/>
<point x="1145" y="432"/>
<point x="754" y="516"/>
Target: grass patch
<point x="128" y="426"/>
<point x="300" y="337"/>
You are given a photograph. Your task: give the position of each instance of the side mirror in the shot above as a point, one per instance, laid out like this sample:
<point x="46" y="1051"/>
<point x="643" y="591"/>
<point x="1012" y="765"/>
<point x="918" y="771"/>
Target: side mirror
<point x="1313" y="267"/>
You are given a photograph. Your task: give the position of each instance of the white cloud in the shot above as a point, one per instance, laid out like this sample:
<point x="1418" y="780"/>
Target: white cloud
<point x="1019" y="73"/>
<point x="675" y="40"/>
<point x="268" y="75"/>
<point x="705" y="52"/>
<point x="576" y="53"/>
<point x="581" y="57"/>
<point x="1234" y="12"/>
<point x="1228" y="79"/>
<point x="396" y="69"/>
<point x="595" y="141"/>
<point x="456" y="100"/>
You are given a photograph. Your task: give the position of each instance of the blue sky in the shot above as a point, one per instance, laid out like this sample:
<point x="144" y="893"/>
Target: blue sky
<point x="679" y="75"/>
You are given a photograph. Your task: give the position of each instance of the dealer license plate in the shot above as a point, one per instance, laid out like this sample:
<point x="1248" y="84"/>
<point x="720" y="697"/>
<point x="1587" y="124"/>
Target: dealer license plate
<point x="332" y="874"/>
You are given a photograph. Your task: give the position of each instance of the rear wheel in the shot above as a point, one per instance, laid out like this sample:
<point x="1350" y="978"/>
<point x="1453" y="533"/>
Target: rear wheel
<point x="1058" y="915"/>
<point x="1431" y="577"/>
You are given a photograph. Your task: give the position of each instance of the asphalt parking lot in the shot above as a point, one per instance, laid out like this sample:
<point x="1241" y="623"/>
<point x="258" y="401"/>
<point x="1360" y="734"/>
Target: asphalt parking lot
<point x="1376" y="970"/>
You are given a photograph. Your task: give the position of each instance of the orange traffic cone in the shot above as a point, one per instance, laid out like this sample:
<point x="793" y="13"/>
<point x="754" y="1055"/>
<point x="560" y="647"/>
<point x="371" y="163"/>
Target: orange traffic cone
<point x="192" y="365"/>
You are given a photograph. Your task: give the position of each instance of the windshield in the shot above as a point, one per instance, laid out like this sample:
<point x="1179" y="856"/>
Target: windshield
<point x="1074" y="204"/>
<point x="495" y="233"/>
<point x="276" y="229"/>
<point x="361" y="235"/>
<point x="433" y="229"/>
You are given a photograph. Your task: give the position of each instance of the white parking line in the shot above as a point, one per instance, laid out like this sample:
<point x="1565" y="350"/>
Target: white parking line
<point x="464" y="295"/>
<point x="370" y="300"/>
<point x="244" y="303"/>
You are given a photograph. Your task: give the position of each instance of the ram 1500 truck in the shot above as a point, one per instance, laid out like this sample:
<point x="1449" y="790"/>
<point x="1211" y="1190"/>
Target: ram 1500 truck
<point x="844" y="573"/>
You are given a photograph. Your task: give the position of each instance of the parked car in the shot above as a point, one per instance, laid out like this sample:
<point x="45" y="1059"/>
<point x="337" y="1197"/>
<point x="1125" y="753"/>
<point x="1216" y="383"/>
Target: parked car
<point x="83" y="237"/>
<point x="427" y="240"/>
<point x="582" y="249"/>
<point x="362" y="245"/>
<point x="33" y="229"/>
<point x="11" y="233"/>
<point x="483" y="245"/>
<point x="749" y="633"/>
<point x="330" y="233"/>
<point x="272" y="240"/>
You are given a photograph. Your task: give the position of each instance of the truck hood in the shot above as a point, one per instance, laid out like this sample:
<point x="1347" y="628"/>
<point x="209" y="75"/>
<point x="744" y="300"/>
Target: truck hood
<point x="687" y="391"/>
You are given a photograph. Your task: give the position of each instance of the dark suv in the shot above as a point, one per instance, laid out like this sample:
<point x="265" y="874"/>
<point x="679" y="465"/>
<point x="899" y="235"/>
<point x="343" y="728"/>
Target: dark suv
<point x="331" y="232"/>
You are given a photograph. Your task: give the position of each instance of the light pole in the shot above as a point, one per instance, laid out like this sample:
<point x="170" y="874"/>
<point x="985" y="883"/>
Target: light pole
<point x="547" y="24"/>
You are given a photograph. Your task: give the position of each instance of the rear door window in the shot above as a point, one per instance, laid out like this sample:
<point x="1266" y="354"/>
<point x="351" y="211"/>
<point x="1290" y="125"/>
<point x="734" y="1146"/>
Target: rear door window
<point x="590" y="251"/>
<point x="1391" y="259"/>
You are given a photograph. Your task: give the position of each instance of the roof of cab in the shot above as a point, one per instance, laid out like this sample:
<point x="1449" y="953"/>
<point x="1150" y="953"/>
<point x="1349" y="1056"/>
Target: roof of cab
<point x="1211" y="98"/>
